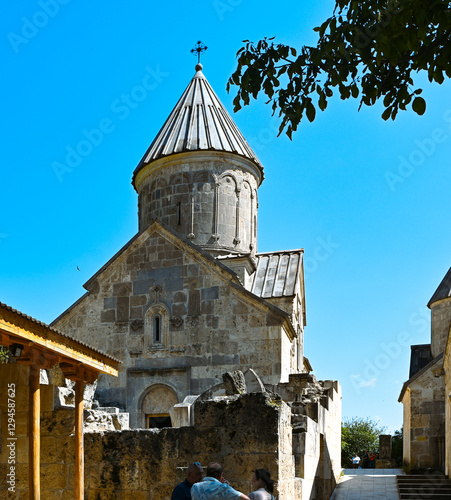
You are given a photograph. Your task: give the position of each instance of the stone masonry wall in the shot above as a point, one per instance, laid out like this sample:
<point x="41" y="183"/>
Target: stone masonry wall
<point x="208" y="327"/>
<point x="427" y="416"/>
<point x="447" y="366"/>
<point x="440" y="323"/>
<point x="210" y="201"/>
<point x="241" y="432"/>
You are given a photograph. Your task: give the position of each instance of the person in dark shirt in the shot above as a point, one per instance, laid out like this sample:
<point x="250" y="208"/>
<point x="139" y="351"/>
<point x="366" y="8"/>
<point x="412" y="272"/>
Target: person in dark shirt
<point x="194" y="474"/>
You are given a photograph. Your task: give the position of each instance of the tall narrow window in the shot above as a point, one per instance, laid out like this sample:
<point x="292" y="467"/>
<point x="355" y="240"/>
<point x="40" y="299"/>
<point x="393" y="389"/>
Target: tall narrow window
<point x="179" y="213"/>
<point x="157" y="328"/>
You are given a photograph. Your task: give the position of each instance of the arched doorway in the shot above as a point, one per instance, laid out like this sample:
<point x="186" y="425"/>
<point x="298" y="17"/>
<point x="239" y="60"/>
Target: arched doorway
<point x="156" y="406"/>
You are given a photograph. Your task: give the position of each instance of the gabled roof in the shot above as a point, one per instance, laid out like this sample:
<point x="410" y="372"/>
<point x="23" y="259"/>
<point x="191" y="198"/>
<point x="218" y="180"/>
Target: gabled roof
<point x="277" y="273"/>
<point x="196" y="252"/>
<point x="33" y="335"/>
<point x="444" y="289"/>
<point x="199" y="122"/>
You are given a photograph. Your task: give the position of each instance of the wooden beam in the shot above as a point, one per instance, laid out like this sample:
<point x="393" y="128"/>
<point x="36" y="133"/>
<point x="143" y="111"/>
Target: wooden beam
<point x="23" y="329"/>
<point x="34" y="434"/>
<point x="79" y="444"/>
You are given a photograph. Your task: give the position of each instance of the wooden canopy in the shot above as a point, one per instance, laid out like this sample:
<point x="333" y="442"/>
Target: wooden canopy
<point x="42" y="347"/>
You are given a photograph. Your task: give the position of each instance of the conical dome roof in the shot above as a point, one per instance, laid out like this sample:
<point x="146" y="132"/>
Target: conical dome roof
<point x="199" y="122"/>
<point x="444" y="289"/>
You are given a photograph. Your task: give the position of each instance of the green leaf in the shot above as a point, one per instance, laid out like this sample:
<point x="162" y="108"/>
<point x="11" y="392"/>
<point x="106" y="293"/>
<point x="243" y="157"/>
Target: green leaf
<point x="386" y="114"/>
<point x="419" y="105"/>
<point x="311" y="112"/>
<point x="322" y="102"/>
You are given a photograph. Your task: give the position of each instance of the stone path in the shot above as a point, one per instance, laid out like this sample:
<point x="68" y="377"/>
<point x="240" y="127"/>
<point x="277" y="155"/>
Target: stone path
<point x="377" y="484"/>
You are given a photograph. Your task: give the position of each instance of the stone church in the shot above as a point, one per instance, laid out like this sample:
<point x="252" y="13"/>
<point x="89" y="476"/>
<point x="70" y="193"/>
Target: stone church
<point x="208" y="332"/>
<point x="426" y="394"/>
<point x="189" y="297"/>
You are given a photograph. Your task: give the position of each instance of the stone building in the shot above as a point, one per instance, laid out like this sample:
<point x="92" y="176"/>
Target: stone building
<point x="190" y="298"/>
<point x="425" y="395"/>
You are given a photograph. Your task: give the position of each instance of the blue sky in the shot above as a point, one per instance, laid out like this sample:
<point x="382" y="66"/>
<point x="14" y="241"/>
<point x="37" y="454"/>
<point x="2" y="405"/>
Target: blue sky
<point x="367" y="199"/>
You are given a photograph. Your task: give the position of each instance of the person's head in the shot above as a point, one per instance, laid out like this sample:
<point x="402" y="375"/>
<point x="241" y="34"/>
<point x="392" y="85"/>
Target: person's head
<point x="262" y="479"/>
<point x="195" y="473"/>
<point x="214" y="470"/>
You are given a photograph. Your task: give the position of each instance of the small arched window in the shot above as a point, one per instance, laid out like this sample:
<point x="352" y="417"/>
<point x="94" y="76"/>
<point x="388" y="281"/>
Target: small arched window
<point x="157" y="337"/>
<point x="156" y="327"/>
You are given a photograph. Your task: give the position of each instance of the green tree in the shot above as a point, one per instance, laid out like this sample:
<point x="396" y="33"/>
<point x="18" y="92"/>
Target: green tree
<point x="4" y="354"/>
<point x="357" y="435"/>
<point x="367" y="49"/>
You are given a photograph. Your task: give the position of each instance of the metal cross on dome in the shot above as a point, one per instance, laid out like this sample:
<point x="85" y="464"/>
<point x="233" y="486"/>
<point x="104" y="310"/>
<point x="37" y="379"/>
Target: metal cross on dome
<point x="198" y="49"/>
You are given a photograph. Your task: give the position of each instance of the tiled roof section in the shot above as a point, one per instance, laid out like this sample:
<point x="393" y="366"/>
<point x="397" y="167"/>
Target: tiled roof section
<point x="40" y="323"/>
<point x="198" y="122"/>
<point x="277" y="274"/>
<point x="444" y="289"/>
<point x="420" y="356"/>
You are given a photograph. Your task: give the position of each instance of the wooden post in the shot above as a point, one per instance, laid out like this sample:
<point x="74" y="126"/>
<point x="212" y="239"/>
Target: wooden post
<point x="34" y="434"/>
<point x="79" y="446"/>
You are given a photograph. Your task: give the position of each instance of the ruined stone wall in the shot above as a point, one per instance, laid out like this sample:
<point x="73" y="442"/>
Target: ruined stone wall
<point x="243" y="432"/>
<point x="316" y="420"/>
<point x="440" y="324"/>
<point x="208" y="327"/>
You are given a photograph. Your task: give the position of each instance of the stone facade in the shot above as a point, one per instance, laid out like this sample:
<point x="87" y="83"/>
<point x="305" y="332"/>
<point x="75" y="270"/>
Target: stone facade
<point x="209" y="324"/>
<point x="188" y="299"/>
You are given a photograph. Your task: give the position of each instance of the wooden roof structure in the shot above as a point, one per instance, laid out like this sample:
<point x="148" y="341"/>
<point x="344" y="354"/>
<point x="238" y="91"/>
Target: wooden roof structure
<point x="42" y="347"/>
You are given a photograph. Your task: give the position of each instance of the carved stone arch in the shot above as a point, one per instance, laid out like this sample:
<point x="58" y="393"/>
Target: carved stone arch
<point x="178" y="182"/>
<point x="246" y="216"/>
<point x="203" y="206"/>
<point x="155" y="404"/>
<point x="158" y="183"/>
<point x="202" y="178"/>
<point x="156" y="327"/>
<point x="229" y="177"/>
<point x="228" y="211"/>
<point x="254" y="219"/>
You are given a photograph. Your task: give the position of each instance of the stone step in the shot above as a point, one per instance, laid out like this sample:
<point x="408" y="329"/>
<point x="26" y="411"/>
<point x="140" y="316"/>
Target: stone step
<point x="431" y="478"/>
<point x="423" y="496"/>
<point x="424" y="486"/>
<point x="416" y="487"/>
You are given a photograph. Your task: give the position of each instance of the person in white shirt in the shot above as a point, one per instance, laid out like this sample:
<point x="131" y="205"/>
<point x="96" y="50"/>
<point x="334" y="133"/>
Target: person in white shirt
<point x="214" y="486"/>
<point x="356" y="461"/>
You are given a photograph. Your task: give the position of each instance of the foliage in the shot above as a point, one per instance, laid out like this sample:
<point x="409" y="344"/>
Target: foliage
<point x="4" y="355"/>
<point x="358" y="435"/>
<point x="367" y="49"/>
<point x="397" y="447"/>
